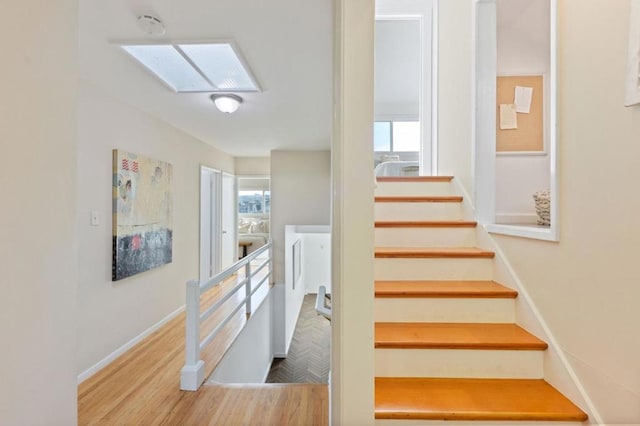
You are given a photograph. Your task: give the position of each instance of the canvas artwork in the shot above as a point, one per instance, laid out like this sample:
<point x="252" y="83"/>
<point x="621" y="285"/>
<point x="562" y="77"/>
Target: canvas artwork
<point x="142" y="214"/>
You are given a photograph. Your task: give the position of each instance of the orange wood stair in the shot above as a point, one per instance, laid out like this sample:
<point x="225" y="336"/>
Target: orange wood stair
<point x="433" y="252"/>
<point x="414" y="178"/>
<point x="402" y="335"/>
<point x="427" y="224"/>
<point x="472" y="399"/>
<point x="418" y="199"/>
<point x="443" y="289"/>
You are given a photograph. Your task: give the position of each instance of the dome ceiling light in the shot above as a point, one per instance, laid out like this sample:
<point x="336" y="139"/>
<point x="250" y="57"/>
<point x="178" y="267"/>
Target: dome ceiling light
<point x="227" y="103"/>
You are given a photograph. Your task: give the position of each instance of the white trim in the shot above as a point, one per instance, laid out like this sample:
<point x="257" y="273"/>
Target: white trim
<point x="483" y="101"/>
<point x="131" y="343"/>
<point x="551" y="340"/>
<point x="434" y="85"/>
<point x="521" y="231"/>
<point x="516" y="219"/>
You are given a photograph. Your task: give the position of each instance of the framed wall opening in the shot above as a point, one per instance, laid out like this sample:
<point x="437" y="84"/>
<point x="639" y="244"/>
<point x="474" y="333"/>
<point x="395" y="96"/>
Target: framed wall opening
<point x="506" y="180"/>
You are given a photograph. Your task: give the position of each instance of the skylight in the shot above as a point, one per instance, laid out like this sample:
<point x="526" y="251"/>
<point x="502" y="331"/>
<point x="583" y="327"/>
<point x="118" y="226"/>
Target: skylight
<point x="195" y="67"/>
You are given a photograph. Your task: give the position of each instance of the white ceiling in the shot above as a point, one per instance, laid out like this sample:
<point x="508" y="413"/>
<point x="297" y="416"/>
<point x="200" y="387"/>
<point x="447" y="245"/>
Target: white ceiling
<point x="287" y="44"/>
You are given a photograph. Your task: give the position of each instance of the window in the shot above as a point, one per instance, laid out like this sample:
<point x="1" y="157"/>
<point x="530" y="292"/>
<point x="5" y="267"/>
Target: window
<point x="254" y="202"/>
<point x="396" y="136"/>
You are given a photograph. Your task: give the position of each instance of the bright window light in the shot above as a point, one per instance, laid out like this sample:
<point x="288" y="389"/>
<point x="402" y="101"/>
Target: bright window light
<point x="199" y="67"/>
<point x="169" y="66"/>
<point x="382" y="136"/>
<point x="220" y="65"/>
<point x="406" y="136"/>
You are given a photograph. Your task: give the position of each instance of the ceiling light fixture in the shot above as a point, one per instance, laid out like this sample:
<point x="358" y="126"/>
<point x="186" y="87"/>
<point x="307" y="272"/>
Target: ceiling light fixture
<point x="151" y="25"/>
<point x="227" y="103"/>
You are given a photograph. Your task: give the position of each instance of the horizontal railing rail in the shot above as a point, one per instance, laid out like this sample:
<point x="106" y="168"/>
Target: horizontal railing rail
<point x="192" y="374"/>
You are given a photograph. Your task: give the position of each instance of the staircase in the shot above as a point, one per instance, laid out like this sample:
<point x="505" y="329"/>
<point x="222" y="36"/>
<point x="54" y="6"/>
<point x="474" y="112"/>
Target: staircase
<point x="446" y="343"/>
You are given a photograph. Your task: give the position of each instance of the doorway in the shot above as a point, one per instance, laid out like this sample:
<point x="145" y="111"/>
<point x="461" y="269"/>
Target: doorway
<point x="218" y="247"/>
<point x="404" y="95"/>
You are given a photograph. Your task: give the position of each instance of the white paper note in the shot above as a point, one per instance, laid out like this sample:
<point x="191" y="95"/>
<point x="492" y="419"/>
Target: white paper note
<point x="508" y="117"/>
<point x="522" y="99"/>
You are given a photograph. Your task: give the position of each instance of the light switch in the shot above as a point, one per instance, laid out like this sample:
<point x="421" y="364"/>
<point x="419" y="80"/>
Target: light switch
<point x="95" y="220"/>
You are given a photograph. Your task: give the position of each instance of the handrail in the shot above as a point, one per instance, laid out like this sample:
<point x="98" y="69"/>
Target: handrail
<point x="233" y="268"/>
<point x="192" y="374"/>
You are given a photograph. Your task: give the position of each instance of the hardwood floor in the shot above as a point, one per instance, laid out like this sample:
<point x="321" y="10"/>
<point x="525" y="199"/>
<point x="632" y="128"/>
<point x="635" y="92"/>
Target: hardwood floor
<point x="142" y="387"/>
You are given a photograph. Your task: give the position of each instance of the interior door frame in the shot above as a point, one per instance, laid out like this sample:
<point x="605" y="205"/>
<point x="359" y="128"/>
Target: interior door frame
<point x="393" y="10"/>
<point x="208" y="247"/>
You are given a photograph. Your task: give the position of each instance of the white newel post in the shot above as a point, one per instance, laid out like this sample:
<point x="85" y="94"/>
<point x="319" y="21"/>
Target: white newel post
<point x="192" y="374"/>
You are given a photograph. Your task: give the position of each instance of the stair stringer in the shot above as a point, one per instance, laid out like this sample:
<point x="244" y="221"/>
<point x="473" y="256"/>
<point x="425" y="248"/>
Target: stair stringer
<point x="557" y="369"/>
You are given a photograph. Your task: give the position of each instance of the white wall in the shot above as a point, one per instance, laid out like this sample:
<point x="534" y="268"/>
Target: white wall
<point x="352" y="370"/>
<point x="247" y="166"/>
<point x="315" y="270"/>
<point x="112" y="313"/>
<point x="294" y="290"/>
<point x="523" y="49"/>
<point x="300" y="195"/>
<point x="248" y="360"/>
<point x="455" y="107"/>
<point x="37" y="222"/>
<point x="316" y="261"/>
<point x="586" y="285"/>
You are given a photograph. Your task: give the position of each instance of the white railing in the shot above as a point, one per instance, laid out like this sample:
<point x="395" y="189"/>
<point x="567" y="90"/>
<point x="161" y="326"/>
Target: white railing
<point x="192" y="374"/>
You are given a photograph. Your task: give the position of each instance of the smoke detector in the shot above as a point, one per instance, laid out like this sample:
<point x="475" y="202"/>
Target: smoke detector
<point x="151" y="25"/>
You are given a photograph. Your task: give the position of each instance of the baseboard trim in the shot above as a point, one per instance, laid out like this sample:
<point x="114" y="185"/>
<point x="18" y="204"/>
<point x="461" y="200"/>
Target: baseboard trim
<point x="131" y="343"/>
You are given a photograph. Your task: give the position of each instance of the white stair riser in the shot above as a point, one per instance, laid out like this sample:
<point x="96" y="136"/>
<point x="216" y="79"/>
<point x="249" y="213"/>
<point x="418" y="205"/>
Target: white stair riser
<point x="415" y="188"/>
<point x="473" y="423"/>
<point x="418" y="211"/>
<point x="425" y="237"/>
<point x="387" y="269"/>
<point x="444" y="310"/>
<point x="459" y="363"/>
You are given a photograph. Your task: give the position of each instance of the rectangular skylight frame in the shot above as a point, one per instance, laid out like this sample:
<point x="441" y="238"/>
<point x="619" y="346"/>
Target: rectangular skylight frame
<point x="210" y="87"/>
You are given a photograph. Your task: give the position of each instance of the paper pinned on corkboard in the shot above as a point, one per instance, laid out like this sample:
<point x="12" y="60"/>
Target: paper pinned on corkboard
<point x="508" y="117"/>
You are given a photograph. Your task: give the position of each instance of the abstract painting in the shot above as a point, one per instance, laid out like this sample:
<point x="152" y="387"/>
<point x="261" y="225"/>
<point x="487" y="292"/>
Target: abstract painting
<point x="142" y="214"/>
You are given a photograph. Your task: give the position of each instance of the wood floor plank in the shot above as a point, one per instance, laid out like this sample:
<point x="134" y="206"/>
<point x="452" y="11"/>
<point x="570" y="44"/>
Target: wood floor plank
<point x="272" y="404"/>
<point x="142" y="387"/>
<point x="472" y="399"/>
<point x="443" y="289"/>
<point x="432" y="252"/>
<point x="455" y="336"/>
<point x="427" y="224"/>
<point x="414" y="178"/>
<point x="419" y="199"/>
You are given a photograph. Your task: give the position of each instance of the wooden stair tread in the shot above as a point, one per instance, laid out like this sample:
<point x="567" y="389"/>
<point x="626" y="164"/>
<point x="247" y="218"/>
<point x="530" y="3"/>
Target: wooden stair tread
<point x="418" y="199"/>
<point x="455" y="336"/>
<point x="443" y="289"/>
<point x="472" y="399"/>
<point x="432" y="252"/>
<point x="427" y="224"/>
<point x="414" y="178"/>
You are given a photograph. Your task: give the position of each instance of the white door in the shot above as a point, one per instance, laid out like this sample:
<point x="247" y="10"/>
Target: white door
<point x="228" y="223"/>
<point x="209" y="218"/>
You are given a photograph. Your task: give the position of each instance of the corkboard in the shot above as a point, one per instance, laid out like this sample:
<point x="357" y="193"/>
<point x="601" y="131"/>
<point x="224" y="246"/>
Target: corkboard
<point x="529" y="136"/>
